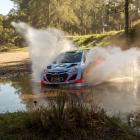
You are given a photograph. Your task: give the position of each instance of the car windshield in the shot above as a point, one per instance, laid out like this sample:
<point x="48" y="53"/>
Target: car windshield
<point x="69" y="57"/>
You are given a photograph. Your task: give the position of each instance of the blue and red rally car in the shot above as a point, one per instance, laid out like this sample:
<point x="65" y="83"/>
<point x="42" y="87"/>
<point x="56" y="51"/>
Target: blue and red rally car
<point x="66" y="69"/>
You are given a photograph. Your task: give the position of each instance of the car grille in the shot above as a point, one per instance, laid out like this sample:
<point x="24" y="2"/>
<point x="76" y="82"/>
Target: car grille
<point x="54" y="78"/>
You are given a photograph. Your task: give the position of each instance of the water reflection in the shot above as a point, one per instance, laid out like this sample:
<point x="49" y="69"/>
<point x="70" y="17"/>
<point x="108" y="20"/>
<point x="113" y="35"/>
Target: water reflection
<point x="9" y="99"/>
<point x="121" y="97"/>
<point x="114" y="97"/>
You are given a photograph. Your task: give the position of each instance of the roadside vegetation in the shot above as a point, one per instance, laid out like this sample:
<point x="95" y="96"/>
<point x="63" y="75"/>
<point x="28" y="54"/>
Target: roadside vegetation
<point x="93" y="20"/>
<point x="103" y="40"/>
<point x="112" y="38"/>
<point x="64" y="118"/>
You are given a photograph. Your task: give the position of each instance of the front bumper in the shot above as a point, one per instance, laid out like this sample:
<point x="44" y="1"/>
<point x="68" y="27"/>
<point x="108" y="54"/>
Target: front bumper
<point x="61" y="78"/>
<point x="77" y="81"/>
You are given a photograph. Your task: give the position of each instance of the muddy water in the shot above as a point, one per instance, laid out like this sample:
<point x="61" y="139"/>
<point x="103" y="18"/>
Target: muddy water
<point x="118" y="97"/>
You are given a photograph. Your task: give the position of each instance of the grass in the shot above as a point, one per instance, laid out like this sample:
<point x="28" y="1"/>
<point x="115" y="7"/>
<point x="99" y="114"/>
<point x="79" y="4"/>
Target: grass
<point x="104" y="39"/>
<point x="62" y="119"/>
<point x="112" y="38"/>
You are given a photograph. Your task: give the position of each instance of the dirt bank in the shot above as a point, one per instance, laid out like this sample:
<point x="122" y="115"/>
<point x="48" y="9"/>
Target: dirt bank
<point x="14" y="63"/>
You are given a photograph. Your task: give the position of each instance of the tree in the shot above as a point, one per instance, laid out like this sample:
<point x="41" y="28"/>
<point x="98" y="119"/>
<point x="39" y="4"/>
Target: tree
<point x="78" y="16"/>
<point x="127" y="17"/>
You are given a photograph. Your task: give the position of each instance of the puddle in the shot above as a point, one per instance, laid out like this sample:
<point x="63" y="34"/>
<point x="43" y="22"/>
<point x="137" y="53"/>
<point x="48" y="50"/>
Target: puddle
<point x="10" y="100"/>
<point x="115" y="97"/>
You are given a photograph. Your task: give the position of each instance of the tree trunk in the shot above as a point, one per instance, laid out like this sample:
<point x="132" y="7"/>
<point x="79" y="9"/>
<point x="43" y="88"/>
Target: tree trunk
<point x="126" y="17"/>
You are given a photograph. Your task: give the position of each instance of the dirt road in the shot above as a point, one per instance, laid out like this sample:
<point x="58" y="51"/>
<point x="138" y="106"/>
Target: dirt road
<point x="12" y="63"/>
<point x="13" y="58"/>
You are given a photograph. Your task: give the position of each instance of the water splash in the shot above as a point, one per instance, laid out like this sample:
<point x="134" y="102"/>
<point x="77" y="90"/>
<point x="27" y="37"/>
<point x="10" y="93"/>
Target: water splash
<point x="102" y="64"/>
<point x="111" y="64"/>
<point x="45" y="45"/>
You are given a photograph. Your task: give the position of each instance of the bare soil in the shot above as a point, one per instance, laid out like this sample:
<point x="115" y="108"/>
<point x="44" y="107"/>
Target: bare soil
<point x="14" y="63"/>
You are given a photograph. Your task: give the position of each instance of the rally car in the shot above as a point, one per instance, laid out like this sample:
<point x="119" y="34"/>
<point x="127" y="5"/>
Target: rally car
<point x="67" y="68"/>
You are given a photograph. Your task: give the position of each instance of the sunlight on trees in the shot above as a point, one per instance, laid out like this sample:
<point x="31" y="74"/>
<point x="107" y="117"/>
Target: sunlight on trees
<point x="72" y="16"/>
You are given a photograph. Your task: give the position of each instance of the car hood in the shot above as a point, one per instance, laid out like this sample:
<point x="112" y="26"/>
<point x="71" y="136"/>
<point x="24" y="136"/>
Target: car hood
<point x="61" y="67"/>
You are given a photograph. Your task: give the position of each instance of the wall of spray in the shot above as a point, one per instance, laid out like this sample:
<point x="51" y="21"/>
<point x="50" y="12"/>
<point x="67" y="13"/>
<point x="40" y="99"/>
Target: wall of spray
<point x="110" y="64"/>
<point x="102" y="64"/>
<point x="45" y="45"/>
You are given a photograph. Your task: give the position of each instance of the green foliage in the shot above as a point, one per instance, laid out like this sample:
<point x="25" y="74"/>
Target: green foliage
<point x="80" y="16"/>
<point x="63" y="118"/>
<point x="103" y="40"/>
<point x="8" y="37"/>
<point x="77" y="17"/>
